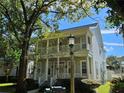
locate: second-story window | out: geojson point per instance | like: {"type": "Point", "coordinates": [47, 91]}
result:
{"type": "Point", "coordinates": [43, 46]}
{"type": "Point", "coordinates": [52, 46]}
{"type": "Point", "coordinates": [63, 44]}
{"type": "Point", "coordinates": [84, 41]}
{"type": "Point", "coordinates": [122, 69]}
{"type": "Point", "coordinates": [89, 40]}
{"type": "Point", "coordinates": [77, 40]}
{"type": "Point", "coordinates": [52, 42]}
{"type": "Point", "coordinates": [84, 67]}
{"type": "Point", "coordinates": [60, 46]}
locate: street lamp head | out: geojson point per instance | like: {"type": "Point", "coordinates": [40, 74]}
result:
{"type": "Point", "coordinates": [71, 39]}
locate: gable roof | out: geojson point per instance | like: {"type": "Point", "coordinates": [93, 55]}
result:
{"type": "Point", "coordinates": [66, 32]}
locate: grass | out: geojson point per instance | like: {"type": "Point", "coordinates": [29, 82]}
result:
{"type": "Point", "coordinates": [7, 84]}
{"type": "Point", "coordinates": [106, 88]}
{"type": "Point", "coordinates": [7, 87]}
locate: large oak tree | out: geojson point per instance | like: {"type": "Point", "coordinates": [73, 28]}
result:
{"type": "Point", "coordinates": [21, 18]}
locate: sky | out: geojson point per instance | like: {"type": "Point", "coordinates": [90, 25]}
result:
{"type": "Point", "coordinates": [113, 42]}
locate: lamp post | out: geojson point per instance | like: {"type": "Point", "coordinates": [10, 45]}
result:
{"type": "Point", "coordinates": [71, 39]}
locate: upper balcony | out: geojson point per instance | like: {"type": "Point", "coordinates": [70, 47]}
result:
{"type": "Point", "coordinates": [64, 50]}
{"type": "Point", "coordinates": [59, 46]}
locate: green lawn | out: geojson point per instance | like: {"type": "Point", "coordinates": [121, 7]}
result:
{"type": "Point", "coordinates": [7, 87]}
{"type": "Point", "coordinates": [7, 84]}
{"type": "Point", "coordinates": [106, 88]}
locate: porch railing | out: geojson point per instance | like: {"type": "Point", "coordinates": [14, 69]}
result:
{"type": "Point", "coordinates": [53, 79]}
{"type": "Point", "coordinates": [77, 47]}
{"type": "Point", "coordinates": [42, 79]}
{"type": "Point", "coordinates": [67, 75]}
{"type": "Point", "coordinates": [52, 50]}
{"type": "Point", "coordinates": [64, 48]}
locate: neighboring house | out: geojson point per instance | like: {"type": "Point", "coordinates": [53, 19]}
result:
{"type": "Point", "coordinates": [110, 73]}
{"type": "Point", "coordinates": [89, 55]}
{"type": "Point", "coordinates": [122, 69]}
{"type": "Point", "coordinates": [6, 67]}
{"type": "Point", "coordinates": [116, 69]}
{"type": "Point", "coordinates": [116, 72]}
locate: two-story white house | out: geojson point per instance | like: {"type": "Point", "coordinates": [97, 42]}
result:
{"type": "Point", "coordinates": [89, 55]}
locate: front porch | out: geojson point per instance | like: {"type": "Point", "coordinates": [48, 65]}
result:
{"type": "Point", "coordinates": [59, 68]}
{"type": "Point", "coordinates": [80, 87]}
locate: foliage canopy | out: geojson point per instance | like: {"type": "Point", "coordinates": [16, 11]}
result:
{"type": "Point", "coordinates": [20, 18]}
{"type": "Point", "coordinates": [115, 13]}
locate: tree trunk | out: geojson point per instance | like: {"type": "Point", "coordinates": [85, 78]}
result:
{"type": "Point", "coordinates": [21, 84]}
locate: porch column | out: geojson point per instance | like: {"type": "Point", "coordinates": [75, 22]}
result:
{"type": "Point", "coordinates": [58, 67]}
{"type": "Point", "coordinates": [92, 68]}
{"type": "Point", "coordinates": [81, 43]}
{"type": "Point", "coordinates": [88, 68]}
{"type": "Point", "coordinates": [58, 58]}
{"type": "Point", "coordinates": [36, 62]}
{"type": "Point", "coordinates": [58, 45]}
{"type": "Point", "coordinates": [47, 60]}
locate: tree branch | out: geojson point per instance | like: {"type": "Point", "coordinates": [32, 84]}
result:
{"type": "Point", "coordinates": [36, 3]}
{"type": "Point", "coordinates": [50, 3]}
{"type": "Point", "coordinates": [81, 3]}
{"type": "Point", "coordinates": [6, 13]}
{"type": "Point", "coordinates": [36, 28]}
{"type": "Point", "coordinates": [24, 10]}
{"type": "Point", "coordinates": [88, 14]}
{"type": "Point", "coordinates": [56, 12]}
{"type": "Point", "coordinates": [36, 12]}
{"type": "Point", "coordinates": [46, 23]}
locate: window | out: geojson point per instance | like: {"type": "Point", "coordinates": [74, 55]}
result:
{"type": "Point", "coordinates": [84, 45]}
{"type": "Point", "coordinates": [122, 69]}
{"type": "Point", "coordinates": [69, 67]}
{"type": "Point", "coordinates": [84, 41]}
{"type": "Point", "coordinates": [48, 71]}
{"type": "Point", "coordinates": [84, 67]}
{"type": "Point", "coordinates": [89, 40]}
{"type": "Point", "coordinates": [77, 40]}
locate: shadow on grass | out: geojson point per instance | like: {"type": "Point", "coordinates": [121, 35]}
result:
{"type": "Point", "coordinates": [7, 88]}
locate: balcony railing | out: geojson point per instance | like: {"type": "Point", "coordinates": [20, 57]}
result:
{"type": "Point", "coordinates": [77, 47]}
{"type": "Point", "coordinates": [64, 75]}
{"type": "Point", "coordinates": [43, 50]}
{"type": "Point", "coordinates": [42, 79]}
{"type": "Point", "coordinates": [52, 50]}
{"type": "Point", "coordinates": [63, 48]}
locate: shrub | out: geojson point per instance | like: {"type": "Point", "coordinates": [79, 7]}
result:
{"type": "Point", "coordinates": [92, 83]}
{"type": "Point", "coordinates": [118, 87]}
{"type": "Point", "coordinates": [11, 79]}
{"type": "Point", "coordinates": [31, 84]}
